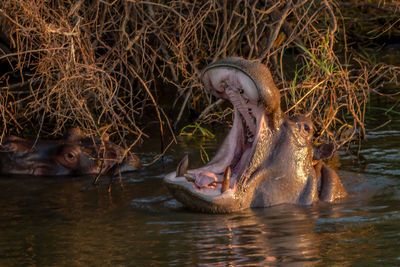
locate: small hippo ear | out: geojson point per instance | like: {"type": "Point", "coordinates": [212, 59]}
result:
{"type": "Point", "coordinates": [74, 134]}
{"type": "Point", "coordinates": [323, 151]}
{"type": "Point", "coordinates": [105, 137]}
{"type": "Point", "coordinates": [13, 138]}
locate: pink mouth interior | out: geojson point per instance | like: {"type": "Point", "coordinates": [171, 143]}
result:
{"type": "Point", "coordinates": [239, 145]}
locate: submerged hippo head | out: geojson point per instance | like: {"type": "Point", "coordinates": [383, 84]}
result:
{"type": "Point", "coordinates": [74, 154]}
{"type": "Point", "coordinates": [266, 159]}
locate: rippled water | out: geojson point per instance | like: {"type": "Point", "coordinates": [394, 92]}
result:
{"type": "Point", "coordinates": [48, 222]}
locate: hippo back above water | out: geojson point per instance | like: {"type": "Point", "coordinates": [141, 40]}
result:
{"type": "Point", "coordinates": [74, 154]}
{"type": "Point", "coordinates": [266, 159]}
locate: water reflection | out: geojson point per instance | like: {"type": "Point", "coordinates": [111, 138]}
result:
{"type": "Point", "coordinates": [268, 236]}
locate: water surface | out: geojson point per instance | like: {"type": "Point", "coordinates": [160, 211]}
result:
{"type": "Point", "coordinates": [65, 222]}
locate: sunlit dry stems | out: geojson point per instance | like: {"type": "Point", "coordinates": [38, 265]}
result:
{"type": "Point", "coordinates": [102, 63]}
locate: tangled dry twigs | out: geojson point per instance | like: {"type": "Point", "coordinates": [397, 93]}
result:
{"type": "Point", "coordinates": [104, 65]}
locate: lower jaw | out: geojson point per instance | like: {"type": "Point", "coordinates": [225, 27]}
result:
{"type": "Point", "coordinates": [184, 192]}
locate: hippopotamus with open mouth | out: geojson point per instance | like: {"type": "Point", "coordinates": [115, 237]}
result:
{"type": "Point", "coordinates": [266, 159]}
{"type": "Point", "coordinates": [74, 154]}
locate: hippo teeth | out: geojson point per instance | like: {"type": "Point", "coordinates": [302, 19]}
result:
{"type": "Point", "coordinates": [211, 185]}
{"type": "Point", "coordinates": [181, 170]}
{"type": "Point", "coordinates": [248, 119]}
{"type": "Point", "coordinates": [226, 179]}
{"type": "Point", "coordinates": [249, 133]}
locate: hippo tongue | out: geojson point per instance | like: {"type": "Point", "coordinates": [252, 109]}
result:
{"type": "Point", "coordinates": [204, 178]}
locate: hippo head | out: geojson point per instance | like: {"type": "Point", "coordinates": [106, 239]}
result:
{"type": "Point", "coordinates": [74, 154]}
{"type": "Point", "coordinates": [266, 159]}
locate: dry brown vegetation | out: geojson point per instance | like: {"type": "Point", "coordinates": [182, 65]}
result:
{"type": "Point", "coordinates": [109, 65]}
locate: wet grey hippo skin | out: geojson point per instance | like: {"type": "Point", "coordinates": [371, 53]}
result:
{"type": "Point", "coordinates": [74, 154]}
{"type": "Point", "coordinates": [266, 159]}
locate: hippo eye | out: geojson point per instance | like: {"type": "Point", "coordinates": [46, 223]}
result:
{"type": "Point", "coordinates": [307, 128]}
{"type": "Point", "coordinates": [70, 157]}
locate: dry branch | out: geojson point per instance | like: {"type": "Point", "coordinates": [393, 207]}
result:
{"type": "Point", "coordinates": [104, 65]}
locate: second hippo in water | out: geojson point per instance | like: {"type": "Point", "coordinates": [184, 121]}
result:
{"type": "Point", "coordinates": [74, 154]}
{"type": "Point", "coordinates": [266, 159]}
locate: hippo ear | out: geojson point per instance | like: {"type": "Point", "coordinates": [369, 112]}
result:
{"type": "Point", "coordinates": [13, 138]}
{"type": "Point", "coordinates": [74, 134]}
{"type": "Point", "coordinates": [105, 137]}
{"type": "Point", "coordinates": [323, 151]}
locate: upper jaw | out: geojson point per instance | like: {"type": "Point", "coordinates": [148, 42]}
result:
{"type": "Point", "coordinates": [218, 78]}
{"type": "Point", "coordinates": [205, 188]}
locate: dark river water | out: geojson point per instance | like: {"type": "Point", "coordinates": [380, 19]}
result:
{"type": "Point", "coordinates": [65, 222]}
